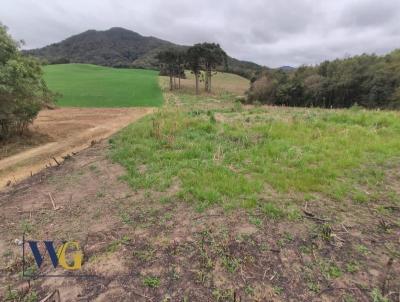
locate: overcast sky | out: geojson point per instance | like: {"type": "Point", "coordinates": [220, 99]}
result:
{"type": "Point", "coordinates": [269, 32]}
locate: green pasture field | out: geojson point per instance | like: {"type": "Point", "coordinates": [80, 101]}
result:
{"type": "Point", "coordinates": [84, 85]}
{"type": "Point", "coordinates": [236, 156]}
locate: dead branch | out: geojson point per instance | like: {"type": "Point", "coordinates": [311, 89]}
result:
{"type": "Point", "coordinates": [54, 296]}
{"type": "Point", "coordinates": [385, 276]}
{"type": "Point", "coordinates": [392, 208]}
{"type": "Point", "coordinates": [55, 208]}
{"type": "Point", "coordinates": [58, 164]}
{"type": "Point", "coordinates": [141, 295]}
{"type": "Point", "coordinates": [312, 216]}
{"type": "Point", "coordinates": [202, 216]}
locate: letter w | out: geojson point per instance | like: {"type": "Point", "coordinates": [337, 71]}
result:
{"type": "Point", "coordinates": [38, 257]}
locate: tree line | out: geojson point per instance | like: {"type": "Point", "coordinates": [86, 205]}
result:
{"type": "Point", "coordinates": [201, 59]}
{"type": "Point", "coordinates": [23, 91]}
{"type": "Point", "coordinates": [370, 81]}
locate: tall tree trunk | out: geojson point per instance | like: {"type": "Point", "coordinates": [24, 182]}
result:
{"type": "Point", "coordinates": [171, 87]}
{"type": "Point", "coordinates": [209, 81]}
{"type": "Point", "coordinates": [206, 81]}
{"type": "Point", "coordinates": [179, 79]}
{"type": "Point", "coordinates": [197, 82]}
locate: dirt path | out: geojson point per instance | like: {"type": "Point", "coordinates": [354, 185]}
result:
{"type": "Point", "coordinates": [70, 130]}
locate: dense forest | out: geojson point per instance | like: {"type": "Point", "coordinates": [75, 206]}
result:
{"type": "Point", "coordinates": [370, 81]}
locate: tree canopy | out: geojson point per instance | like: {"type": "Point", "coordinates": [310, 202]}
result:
{"type": "Point", "coordinates": [367, 80]}
{"type": "Point", "coordinates": [197, 58]}
{"type": "Point", "coordinates": [23, 91]}
{"type": "Point", "coordinates": [212, 56]}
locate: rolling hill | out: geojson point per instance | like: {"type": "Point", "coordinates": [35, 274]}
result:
{"type": "Point", "coordinates": [119, 47]}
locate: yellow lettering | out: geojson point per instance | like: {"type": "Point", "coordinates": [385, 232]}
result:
{"type": "Point", "coordinates": [77, 256]}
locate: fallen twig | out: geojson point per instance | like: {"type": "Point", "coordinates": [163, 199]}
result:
{"type": "Point", "coordinates": [310, 215]}
{"type": "Point", "coordinates": [386, 274]}
{"type": "Point", "coordinates": [344, 228]}
{"type": "Point", "coordinates": [331, 288]}
{"type": "Point", "coordinates": [272, 278]}
{"type": "Point", "coordinates": [393, 208]}
{"type": "Point", "coordinates": [58, 164]}
{"type": "Point", "coordinates": [54, 296]}
{"type": "Point", "coordinates": [55, 208]}
{"type": "Point", "coordinates": [202, 216]}
{"type": "Point", "coordinates": [265, 273]}
{"type": "Point", "coordinates": [140, 295]}
{"type": "Point", "coordinates": [242, 275]}
{"type": "Point", "coordinates": [89, 163]}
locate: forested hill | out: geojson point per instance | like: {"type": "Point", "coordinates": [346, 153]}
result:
{"type": "Point", "coordinates": [119, 47]}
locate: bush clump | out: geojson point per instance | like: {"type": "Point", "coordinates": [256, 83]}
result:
{"type": "Point", "coordinates": [23, 91]}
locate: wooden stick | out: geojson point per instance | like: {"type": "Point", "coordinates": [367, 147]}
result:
{"type": "Point", "coordinates": [53, 202]}
{"type": "Point", "coordinates": [58, 164]}
{"type": "Point", "coordinates": [312, 216]}
{"type": "Point", "coordinates": [54, 296]}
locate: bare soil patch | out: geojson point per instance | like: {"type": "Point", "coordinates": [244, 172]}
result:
{"type": "Point", "coordinates": [57, 133]}
{"type": "Point", "coordinates": [141, 249]}
{"type": "Point", "coordinates": [22, 143]}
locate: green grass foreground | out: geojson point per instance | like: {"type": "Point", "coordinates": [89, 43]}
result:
{"type": "Point", "coordinates": [235, 157]}
{"type": "Point", "coordinates": [84, 85]}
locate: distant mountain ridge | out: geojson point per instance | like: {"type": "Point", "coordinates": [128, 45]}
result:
{"type": "Point", "coordinates": [119, 47]}
{"type": "Point", "coordinates": [286, 68]}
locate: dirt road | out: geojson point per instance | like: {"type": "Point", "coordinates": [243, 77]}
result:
{"type": "Point", "coordinates": [70, 130]}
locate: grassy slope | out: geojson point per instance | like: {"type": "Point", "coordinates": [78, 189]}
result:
{"type": "Point", "coordinates": [221, 83]}
{"type": "Point", "coordinates": [222, 153]}
{"type": "Point", "coordinates": [85, 85]}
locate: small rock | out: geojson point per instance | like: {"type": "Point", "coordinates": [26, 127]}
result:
{"type": "Point", "coordinates": [18, 242]}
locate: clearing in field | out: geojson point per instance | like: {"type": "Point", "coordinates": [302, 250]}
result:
{"type": "Point", "coordinates": [210, 200]}
{"type": "Point", "coordinates": [84, 85]}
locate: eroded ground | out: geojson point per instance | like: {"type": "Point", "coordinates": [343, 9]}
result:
{"type": "Point", "coordinates": [57, 133]}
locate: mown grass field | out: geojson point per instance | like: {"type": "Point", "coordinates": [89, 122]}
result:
{"type": "Point", "coordinates": [84, 85]}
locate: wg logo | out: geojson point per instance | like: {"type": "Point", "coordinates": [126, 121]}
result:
{"type": "Point", "coordinates": [67, 255]}
{"type": "Point", "coordinates": [59, 257]}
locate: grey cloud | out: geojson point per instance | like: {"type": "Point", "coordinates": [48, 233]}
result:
{"type": "Point", "coordinates": [370, 13]}
{"type": "Point", "coordinates": [269, 32]}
